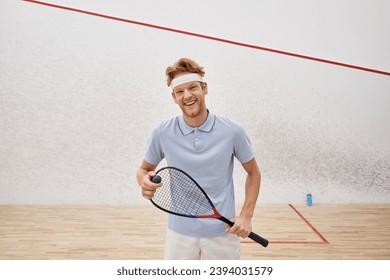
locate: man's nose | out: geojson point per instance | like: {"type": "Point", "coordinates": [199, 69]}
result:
{"type": "Point", "coordinates": [187, 93]}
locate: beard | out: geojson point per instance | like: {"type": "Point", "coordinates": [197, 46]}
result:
{"type": "Point", "coordinates": [194, 110]}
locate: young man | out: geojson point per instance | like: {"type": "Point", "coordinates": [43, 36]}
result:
{"type": "Point", "coordinates": [203, 145]}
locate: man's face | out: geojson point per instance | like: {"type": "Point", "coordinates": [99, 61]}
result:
{"type": "Point", "coordinates": [191, 98]}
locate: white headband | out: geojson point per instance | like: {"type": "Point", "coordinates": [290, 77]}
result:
{"type": "Point", "coordinates": [194, 77]}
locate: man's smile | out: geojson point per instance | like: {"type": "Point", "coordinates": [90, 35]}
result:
{"type": "Point", "coordinates": [189, 103]}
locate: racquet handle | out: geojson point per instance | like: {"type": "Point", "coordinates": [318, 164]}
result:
{"type": "Point", "coordinates": [156, 179]}
{"type": "Point", "coordinates": [255, 237]}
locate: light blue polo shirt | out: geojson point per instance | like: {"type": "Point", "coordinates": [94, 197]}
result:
{"type": "Point", "coordinates": [207, 154]}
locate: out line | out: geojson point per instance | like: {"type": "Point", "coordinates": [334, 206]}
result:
{"type": "Point", "coordinates": [322, 242]}
{"type": "Point", "coordinates": [309, 224]}
{"type": "Point", "coordinates": [213, 38]}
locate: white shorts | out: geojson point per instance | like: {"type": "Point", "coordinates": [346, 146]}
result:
{"type": "Point", "coordinates": [183, 247]}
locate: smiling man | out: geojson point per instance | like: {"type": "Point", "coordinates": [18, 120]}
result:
{"type": "Point", "coordinates": [203, 145]}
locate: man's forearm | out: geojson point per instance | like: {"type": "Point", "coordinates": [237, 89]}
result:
{"type": "Point", "coordinates": [140, 175]}
{"type": "Point", "coordinates": [252, 190]}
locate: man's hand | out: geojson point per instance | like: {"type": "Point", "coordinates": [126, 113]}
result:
{"type": "Point", "coordinates": [148, 187]}
{"type": "Point", "coordinates": [242, 226]}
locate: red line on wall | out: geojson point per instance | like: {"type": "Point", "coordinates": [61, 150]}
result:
{"type": "Point", "coordinates": [213, 38]}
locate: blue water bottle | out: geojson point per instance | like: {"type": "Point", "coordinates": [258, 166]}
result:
{"type": "Point", "coordinates": [309, 201]}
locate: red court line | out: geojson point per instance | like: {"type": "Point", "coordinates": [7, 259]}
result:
{"type": "Point", "coordinates": [213, 38]}
{"type": "Point", "coordinates": [310, 225]}
{"type": "Point", "coordinates": [297, 242]}
{"type": "Point", "coordinates": [324, 241]}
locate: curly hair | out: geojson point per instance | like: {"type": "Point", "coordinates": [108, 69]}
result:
{"type": "Point", "coordinates": [183, 65]}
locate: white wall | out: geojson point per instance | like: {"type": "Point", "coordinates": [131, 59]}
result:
{"type": "Point", "coordinates": [80, 94]}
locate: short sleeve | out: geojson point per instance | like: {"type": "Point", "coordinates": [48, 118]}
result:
{"type": "Point", "coordinates": [154, 153]}
{"type": "Point", "coordinates": [243, 150]}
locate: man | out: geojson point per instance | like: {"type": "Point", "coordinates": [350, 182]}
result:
{"type": "Point", "coordinates": [203, 145]}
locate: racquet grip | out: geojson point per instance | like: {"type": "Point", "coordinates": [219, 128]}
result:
{"type": "Point", "coordinates": [156, 179]}
{"type": "Point", "coordinates": [255, 237]}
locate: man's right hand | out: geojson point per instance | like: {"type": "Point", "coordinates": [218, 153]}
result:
{"type": "Point", "coordinates": [148, 187]}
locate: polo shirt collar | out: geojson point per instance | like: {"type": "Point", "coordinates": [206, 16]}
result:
{"type": "Point", "coordinates": [206, 126]}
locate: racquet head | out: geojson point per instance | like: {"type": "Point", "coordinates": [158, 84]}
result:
{"type": "Point", "coordinates": [181, 195]}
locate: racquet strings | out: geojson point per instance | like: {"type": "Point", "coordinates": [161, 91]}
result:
{"type": "Point", "coordinates": [181, 195]}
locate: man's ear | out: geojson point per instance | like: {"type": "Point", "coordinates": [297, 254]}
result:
{"type": "Point", "coordinates": [204, 87]}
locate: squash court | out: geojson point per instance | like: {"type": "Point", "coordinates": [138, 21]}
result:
{"type": "Point", "coordinates": [82, 85]}
{"type": "Point", "coordinates": [321, 232]}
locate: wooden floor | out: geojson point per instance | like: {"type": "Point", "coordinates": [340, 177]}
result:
{"type": "Point", "coordinates": [137, 232]}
